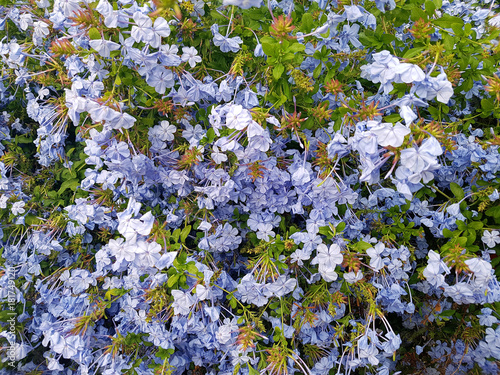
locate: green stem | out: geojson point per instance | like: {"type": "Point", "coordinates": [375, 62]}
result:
{"type": "Point", "coordinates": [116, 75]}
{"type": "Point", "coordinates": [439, 191]}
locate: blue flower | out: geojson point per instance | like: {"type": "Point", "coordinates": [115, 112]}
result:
{"type": "Point", "coordinates": [237, 117]}
{"type": "Point", "coordinates": [491, 238]}
{"type": "Point", "coordinates": [141, 31]}
{"type": "Point", "coordinates": [190, 55]}
{"type": "Point", "coordinates": [251, 291]}
{"type": "Point", "coordinates": [384, 5]}
{"type": "Point", "coordinates": [243, 4]}
{"type": "Point", "coordinates": [227, 44]}
{"type": "Point", "coordinates": [435, 268]}
{"type": "Point", "coordinates": [281, 287]}
{"type": "Point", "coordinates": [104, 47]}
{"type": "Point", "coordinates": [18, 208]}
{"type": "Point", "coordinates": [183, 301]}
{"type": "Point", "coordinates": [388, 135]}
{"type": "Point", "coordinates": [376, 261]}
{"type": "Point", "coordinates": [409, 73]}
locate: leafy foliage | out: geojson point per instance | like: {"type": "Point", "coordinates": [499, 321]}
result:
{"type": "Point", "coordinates": [245, 188]}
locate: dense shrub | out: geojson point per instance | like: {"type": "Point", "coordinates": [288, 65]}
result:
{"type": "Point", "coordinates": [242, 188]}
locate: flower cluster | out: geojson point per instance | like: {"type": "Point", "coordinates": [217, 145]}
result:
{"type": "Point", "coordinates": [245, 187]}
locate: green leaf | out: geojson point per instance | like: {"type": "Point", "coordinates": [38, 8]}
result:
{"type": "Point", "coordinates": [269, 49]}
{"type": "Point", "coordinates": [362, 245]}
{"type": "Point", "coordinates": [185, 233]}
{"type": "Point", "coordinates": [461, 225]}
{"type": "Point", "coordinates": [447, 233]}
{"type": "Point", "coordinates": [457, 191]}
{"type": "Point", "coordinates": [325, 231]}
{"type": "Point", "coordinates": [285, 88]}
{"type": "Point", "coordinates": [430, 8]}
{"type": "Point", "coordinates": [487, 105]}
{"type": "Point", "coordinates": [307, 23]}
{"type": "Point", "coordinates": [387, 38]}
{"type": "Point", "coordinates": [412, 52]}
{"type": "Point", "coordinates": [495, 262]}
{"type": "Point", "coordinates": [476, 225]}
{"type": "Point", "coordinates": [52, 194]}
{"type": "Point", "coordinates": [115, 292]}
{"type": "Point", "coordinates": [467, 29]}
{"type": "Point", "coordinates": [447, 21]}
{"type": "Point", "coordinates": [173, 279]}
{"type": "Point", "coordinates": [471, 235]}
{"type": "Point", "coordinates": [317, 71]}
{"type": "Point", "coordinates": [191, 268]}
{"type": "Point", "coordinates": [94, 34]}
{"type": "Point", "coordinates": [31, 219]}
{"type": "Point", "coordinates": [23, 139]}
{"type": "Point", "coordinates": [296, 47]}
{"type": "Point", "coordinates": [252, 371]}
{"type": "Point", "coordinates": [175, 235]}
{"type": "Point", "coordinates": [392, 118]}
{"type": "Point", "coordinates": [458, 29]}
{"type": "Point", "coordinates": [217, 15]}
{"type": "Point", "coordinates": [5, 315]}
{"type": "Point", "coordinates": [434, 112]}
{"type": "Point", "coordinates": [493, 211]}
{"type": "Point", "coordinates": [281, 101]}
{"type": "Point", "coordinates": [288, 57]}
{"type": "Point", "coordinates": [340, 227]}
{"type": "Point", "coordinates": [418, 13]}
{"type": "Point", "coordinates": [68, 174]}
{"type": "Point", "coordinates": [210, 135]}
{"type": "Point", "coordinates": [448, 41]}
{"type": "Point", "coordinates": [447, 313]}
{"type": "Point", "coordinates": [278, 71]}
{"type": "Point", "coordinates": [164, 353]}
{"type": "Point", "coordinates": [232, 302]}
{"type": "Point", "coordinates": [69, 184]}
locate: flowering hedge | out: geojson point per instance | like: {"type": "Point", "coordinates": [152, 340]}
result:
{"type": "Point", "coordinates": [242, 187]}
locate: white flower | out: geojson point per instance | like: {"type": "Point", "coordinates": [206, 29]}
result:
{"type": "Point", "coordinates": [166, 131]}
{"type": "Point", "coordinates": [328, 257]}
{"type": "Point", "coordinates": [41, 29]}
{"type": "Point", "coordinates": [352, 277]}
{"type": "Point", "coordinates": [17, 208]}
{"type": "Point", "coordinates": [491, 238]}
{"type": "Point", "coordinates": [238, 118]}
{"type": "Point", "coordinates": [25, 20]}
{"type": "Point", "coordinates": [182, 302]}
{"type": "Point", "coordinates": [190, 54]}
{"type": "Point", "coordinates": [481, 268]}
{"type": "Point", "coordinates": [243, 4]}
{"type": "Point", "coordinates": [495, 21]}
{"type": "Point", "coordinates": [3, 201]}
{"type": "Point", "coordinates": [104, 47]}
{"type": "Point", "coordinates": [217, 156]}
{"type": "Point", "coordinates": [388, 135]}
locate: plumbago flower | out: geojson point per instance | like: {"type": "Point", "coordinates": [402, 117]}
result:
{"type": "Point", "coordinates": [242, 187]}
{"type": "Point", "coordinates": [328, 259]}
{"type": "Point", "coordinates": [389, 135]}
